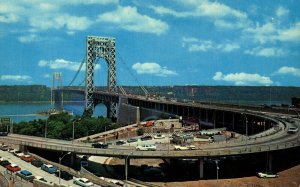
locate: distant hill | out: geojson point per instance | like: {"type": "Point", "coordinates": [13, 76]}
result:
{"type": "Point", "coordinates": [233, 94]}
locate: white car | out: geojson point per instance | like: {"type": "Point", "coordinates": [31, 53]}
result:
{"type": "Point", "coordinates": [292, 130]}
{"type": "Point", "coordinates": [146, 148]}
{"type": "Point", "coordinates": [159, 136]}
{"type": "Point", "coordinates": [180, 148]}
{"type": "Point", "coordinates": [83, 182]}
{"type": "Point", "coordinates": [267, 175]}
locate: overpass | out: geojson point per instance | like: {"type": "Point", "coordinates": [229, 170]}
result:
{"type": "Point", "coordinates": [278, 140]}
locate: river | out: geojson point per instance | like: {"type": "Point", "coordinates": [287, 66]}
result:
{"type": "Point", "coordinates": [27, 111]}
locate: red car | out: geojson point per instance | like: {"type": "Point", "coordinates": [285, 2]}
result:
{"type": "Point", "coordinates": [27, 158]}
{"type": "Point", "coordinates": [13, 167]}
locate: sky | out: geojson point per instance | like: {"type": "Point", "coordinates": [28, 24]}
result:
{"type": "Point", "coordinates": [171, 42]}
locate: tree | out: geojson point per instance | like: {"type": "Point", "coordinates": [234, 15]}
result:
{"type": "Point", "coordinates": [140, 132]}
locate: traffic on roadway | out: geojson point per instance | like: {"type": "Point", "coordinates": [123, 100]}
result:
{"type": "Point", "coordinates": [24, 172]}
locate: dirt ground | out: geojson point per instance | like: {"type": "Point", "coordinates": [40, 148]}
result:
{"type": "Point", "coordinates": [287, 178]}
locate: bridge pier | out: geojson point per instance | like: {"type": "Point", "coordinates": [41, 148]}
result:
{"type": "Point", "coordinates": [269, 161]}
{"type": "Point", "coordinates": [127, 166]}
{"type": "Point", "coordinates": [201, 167]}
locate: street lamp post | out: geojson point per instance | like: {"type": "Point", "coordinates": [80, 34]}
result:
{"type": "Point", "coordinates": [217, 167]}
{"type": "Point", "coordinates": [60, 158]}
{"type": "Point", "coordinates": [73, 132]}
{"type": "Point", "coordinates": [46, 126]}
{"type": "Point", "coordinates": [126, 169]}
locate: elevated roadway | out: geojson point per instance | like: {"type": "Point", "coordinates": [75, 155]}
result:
{"type": "Point", "coordinates": [275, 141]}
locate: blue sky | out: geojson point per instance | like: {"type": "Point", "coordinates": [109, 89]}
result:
{"type": "Point", "coordinates": [172, 42]}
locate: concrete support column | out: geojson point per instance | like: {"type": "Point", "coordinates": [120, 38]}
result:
{"type": "Point", "coordinates": [127, 166]}
{"type": "Point", "coordinates": [138, 115]}
{"type": "Point", "coordinates": [269, 161]}
{"type": "Point", "coordinates": [72, 159]}
{"type": "Point", "coordinates": [223, 118]}
{"type": "Point", "coordinates": [233, 121]}
{"type": "Point", "coordinates": [214, 116]}
{"type": "Point", "coordinates": [201, 167]}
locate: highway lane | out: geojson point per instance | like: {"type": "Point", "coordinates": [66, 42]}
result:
{"type": "Point", "coordinates": [34, 170]}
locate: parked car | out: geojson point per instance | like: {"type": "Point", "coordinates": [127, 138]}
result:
{"type": "Point", "coordinates": [13, 167]}
{"type": "Point", "coordinates": [4, 162]}
{"type": "Point", "coordinates": [37, 163]}
{"type": "Point", "coordinates": [16, 152]}
{"type": "Point", "coordinates": [100, 145]}
{"type": "Point", "coordinates": [64, 175]}
{"type": "Point", "coordinates": [144, 138]}
{"type": "Point", "coordinates": [188, 136]}
{"type": "Point", "coordinates": [146, 148]}
{"type": "Point", "coordinates": [27, 158]}
{"type": "Point", "coordinates": [131, 140]}
{"type": "Point", "coordinates": [159, 136]}
{"type": "Point", "coordinates": [49, 168]}
{"type": "Point", "coordinates": [120, 142]}
{"type": "Point", "coordinates": [292, 130]}
{"type": "Point", "coordinates": [267, 175]}
{"type": "Point", "coordinates": [83, 182]}
{"type": "Point", "coordinates": [4, 147]}
{"type": "Point", "coordinates": [26, 175]}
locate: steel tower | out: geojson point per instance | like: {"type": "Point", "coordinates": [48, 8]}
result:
{"type": "Point", "coordinates": [100, 47]}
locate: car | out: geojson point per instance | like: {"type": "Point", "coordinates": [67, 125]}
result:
{"type": "Point", "coordinates": [180, 148]}
{"type": "Point", "coordinates": [131, 140]}
{"type": "Point", "coordinates": [144, 138]}
{"type": "Point", "coordinates": [4, 147]}
{"type": "Point", "coordinates": [120, 142]}
{"type": "Point", "coordinates": [16, 152]}
{"type": "Point", "coordinates": [191, 147]}
{"type": "Point", "coordinates": [83, 182]}
{"type": "Point", "coordinates": [13, 167]}
{"type": "Point", "coordinates": [64, 175]}
{"type": "Point", "coordinates": [292, 130]}
{"type": "Point", "coordinates": [267, 175]}
{"type": "Point", "coordinates": [26, 175]}
{"type": "Point", "coordinates": [37, 163]}
{"type": "Point", "coordinates": [4, 162]}
{"type": "Point", "coordinates": [159, 136]}
{"type": "Point", "coordinates": [146, 148]}
{"type": "Point", "coordinates": [100, 145]}
{"type": "Point", "coordinates": [27, 158]}
{"type": "Point", "coordinates": [49, 168]}
{"type": "Point", "coordinates": [188, 136]}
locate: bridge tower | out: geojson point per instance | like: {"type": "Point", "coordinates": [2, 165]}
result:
{"type": "Point", "coordinates": [56, 76]}
{"type": "Point", "coordinates": [100, 47]}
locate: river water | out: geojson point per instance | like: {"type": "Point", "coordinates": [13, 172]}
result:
{"type": "Point", "coordinates": [27, 111]}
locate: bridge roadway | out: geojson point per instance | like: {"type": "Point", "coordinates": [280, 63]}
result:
{"type": "Point", "coordinates": [276, 141]}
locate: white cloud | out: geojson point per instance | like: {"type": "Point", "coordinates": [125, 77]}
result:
{"type": "Point", "coordinates": [46, 75]}
{"type": "Point", "coordinates": [291, 34]}
{"type": "Point", "coordinates": [216, 12]}
{"type": "Point", "coordinates": [15, 77]}
{"type": "Point", "coordinates": [281, 11]}
{"type": "Point", "coordinates": [128, 18]}
{"type": "Point", "coordinates": [243, 78]}
{"type": "Point", "coordinates": [152, 68]}
{"type": "Point", "coordinates": [266, 52]}
{"type": "Point", "coordinates": [195, 44]}
{"type": "Point", "coordinates": [289, 70]}
{"type": "Point", "coordinates": [59, 21]}
{"type": "Point", "coordinates": [271, 32]}
{"type": "Point", "coordinates": [29, 38]}
{"type": "Point", "coordinates": [63, 64]}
